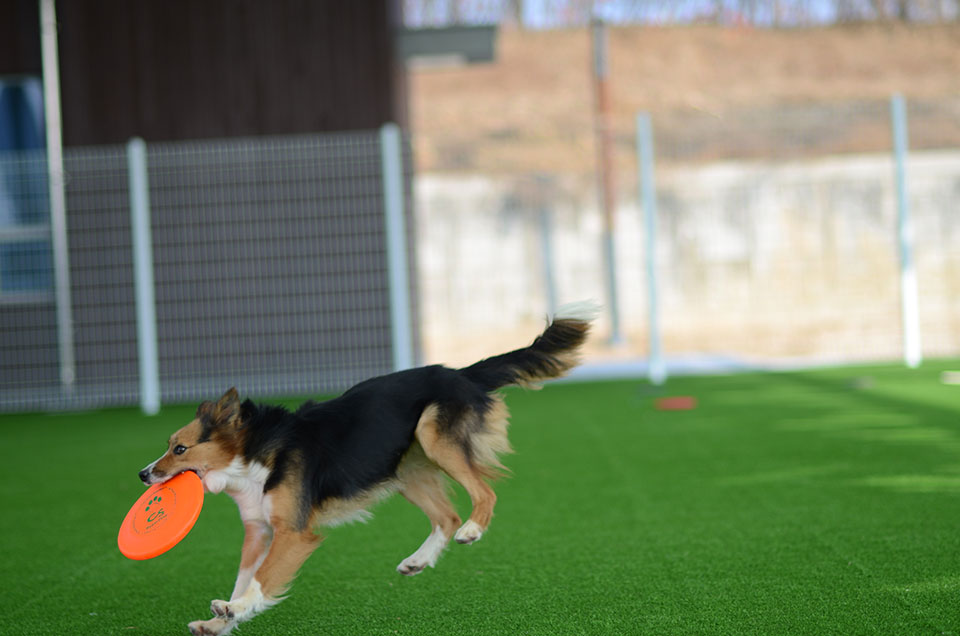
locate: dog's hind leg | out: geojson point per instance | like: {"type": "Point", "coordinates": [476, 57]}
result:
{"type": "Point", "coordinates": [426, 487]}
{"type": "Point", "coordinates": [452, 457]}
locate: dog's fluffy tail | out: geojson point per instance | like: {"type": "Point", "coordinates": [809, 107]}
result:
{"type": "Point", "coordinates": [551, 355]}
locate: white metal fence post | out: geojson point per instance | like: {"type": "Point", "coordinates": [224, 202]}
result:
{"type": "Point", "coordinates": [909, 301]}
{"type": "Point", "coordinates": [149, 364]}
{"type": "Point", "coordinates": [391, 154]}
{"type": "Point", "coordinates": [648, 199]}
{"type": "Point", "coordinates": [58, 197]}
{"type": "Point", "coordinates": [546, 257]}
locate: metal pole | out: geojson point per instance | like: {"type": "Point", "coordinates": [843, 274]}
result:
{"type": "Point", "coordinates": [546, 254]}
{"type": "Point", "coordinates": [58, 197]}
{"type": "Point", "coordinates": [397, 261]}
{"type": "Point", "coordinates": [143, 277]}
{"type": "Point", "coordinates": [909, 301]}
{"type": "Point", "coordinates": [648, 198]}
{"type": "Point", "coordinates": [605, 171]}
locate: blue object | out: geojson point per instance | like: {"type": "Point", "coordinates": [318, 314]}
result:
{"type": "Point", "coordinates": [25, 263]}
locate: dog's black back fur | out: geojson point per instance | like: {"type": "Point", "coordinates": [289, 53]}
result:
{"type": "Point", "coordinates": [351, 443]}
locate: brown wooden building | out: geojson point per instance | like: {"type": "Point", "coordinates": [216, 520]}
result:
{"type": "Point", "coordinates": [186, 69]}
{"type": "Point", "coordinates": [266, 185]}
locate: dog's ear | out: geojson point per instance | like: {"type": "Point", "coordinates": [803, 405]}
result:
{"type": "Point", "coordinates": [205, 411]}
{"type": "Point", "coordinates": [228, 407]}
{"type": "Point", "coordinates": [247, 411]}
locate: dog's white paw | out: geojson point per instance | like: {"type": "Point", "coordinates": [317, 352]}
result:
{"type": "Point", "coordinates": [468, 532]}
{"type": "Point", "coordinates": [212, 627]}
{"type": "Point", "coordinates": [409, 568]}
{"type": "Point", "coordinates": [426, 554]}
{"type": "Point", "coordinates": [416, 563]}
{"type": "Point", "coordinates": [221, 609]}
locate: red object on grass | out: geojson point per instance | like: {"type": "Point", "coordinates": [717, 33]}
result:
{"type": "Point", "coordinates": [676, 403]}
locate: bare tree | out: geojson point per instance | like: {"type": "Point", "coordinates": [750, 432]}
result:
{"type": "Point", "coordinates": [880, 9]}
{"type": "Point", "coordinates": [903, 10]}
{"type": "Point", "coordinates": [717, 11]}
{"type": "Point", "coordinates": [567, 13]}
{"type": "Point", "coordinates": [514, 12]}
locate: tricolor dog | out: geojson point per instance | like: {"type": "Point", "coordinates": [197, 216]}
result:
{"type": "Point", "coordinates": [295, 472]}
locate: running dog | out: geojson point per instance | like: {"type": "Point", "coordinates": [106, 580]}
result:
{"type": "Point", "coordinates": [292, 473]}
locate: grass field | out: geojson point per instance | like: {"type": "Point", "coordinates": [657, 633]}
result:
{"type": "Point", "coordinates": [820, 502]}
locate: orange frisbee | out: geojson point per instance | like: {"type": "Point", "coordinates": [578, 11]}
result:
{"type": "Point", "coordinates": [162, 517]}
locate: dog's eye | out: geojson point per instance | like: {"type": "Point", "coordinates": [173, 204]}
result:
{"type": "Point", "coordinates": [180, 449]}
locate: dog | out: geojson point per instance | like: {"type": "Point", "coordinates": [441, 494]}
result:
{"type": "Point", "coordinates": [292, 473]}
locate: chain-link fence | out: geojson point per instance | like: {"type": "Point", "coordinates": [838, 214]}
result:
{"type": "Point", "coordinates": [268, 264]}
{"type": "Point", "coordinates": [775, 246]}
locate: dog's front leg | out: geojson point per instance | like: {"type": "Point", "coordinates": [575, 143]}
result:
{"type": "Point", "coordinates": [257, 535]}
{"type": "Point", "coordinates": [256, 541]}
{"type": "Point", "coordinates": [288, 550]}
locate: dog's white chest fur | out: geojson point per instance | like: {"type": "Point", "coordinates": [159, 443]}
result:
{"type": "Point", "coordinates": [244, 482]}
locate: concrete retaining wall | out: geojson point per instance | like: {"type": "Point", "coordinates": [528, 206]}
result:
{"type": "Point", "coordinates": [758, 260]}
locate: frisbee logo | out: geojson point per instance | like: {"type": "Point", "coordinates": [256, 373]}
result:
{"type": "Point", "coordinates": [153, 501]}
{"type": "Point", "coordinates": [158, 513]}
{"type": "Point", "coordinates": [152, 515]}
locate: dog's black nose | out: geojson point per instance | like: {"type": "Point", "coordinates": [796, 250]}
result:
{"type": "Point", "coordinates": [144, 475]}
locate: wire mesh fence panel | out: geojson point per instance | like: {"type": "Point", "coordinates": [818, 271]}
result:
{"type": "Point", "coordinates": [933, 172]}
{"type": "Point", "coordinates": [495, 253]}
{"type": "Point", "coordinates": [268, 265]}
{"type": "Point", "coordinates": [935, 203]}
{"type": "Point", "coordinates": [779, 262]}
{"type": "Point", "coordinates": [99, 250]}
{"type": "Point", "coordinates": [101, 278]}
{"type": "Point", "coordinates": [28, 337]}
{"type": "Point", "coordinates": [779, 242]}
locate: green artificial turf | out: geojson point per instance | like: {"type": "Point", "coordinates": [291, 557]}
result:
{"type": "Point", "coordinates": [798, 503]}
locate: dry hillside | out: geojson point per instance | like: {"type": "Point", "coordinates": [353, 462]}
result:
{"type": "Point", "coordinates": [713, 92]}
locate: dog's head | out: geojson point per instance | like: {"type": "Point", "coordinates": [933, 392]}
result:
{"type": "Point", "coordinates": [209, 442]}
